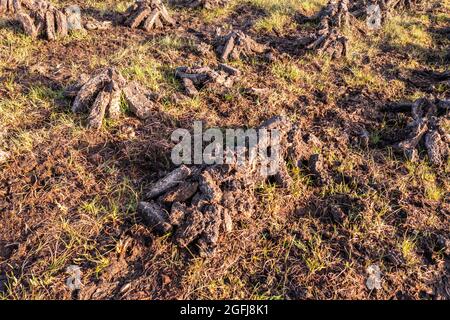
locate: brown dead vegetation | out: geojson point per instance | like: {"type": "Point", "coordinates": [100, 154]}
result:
{"type": "Point", "coordinates": [41, 18]}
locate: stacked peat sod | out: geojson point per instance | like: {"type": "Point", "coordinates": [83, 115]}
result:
{"type": "Point", "coordinates": [195, 78]}
{"type": "Point", "coordinates": [426, 129]}
{"type": "Point", "coordinates": [236, 45]}
{"type": "Point", "coordinates": [206, 4]}
{"type": "Point", "coordinates": [428, 80]}
{"type": "Point", "coordinates": [97, 25]}
{"type": "Point", "coordinates": [101, 93]}
{"type": "Point", "coordinates": [200, 203]}
{"type": "Point", "coordinates": [147, 15]}
{"type": "Point", "coordinates": [359, 7]}
{"type": "Point", "coordinates": [42, 19]}
{"type": "Point", "coordinates": [328, 38]}
{"type": "Point", "coordinates": [12, 6]}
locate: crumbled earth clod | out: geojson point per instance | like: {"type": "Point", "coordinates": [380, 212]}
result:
{"type": "Point", "coordinates": [148, 15]}
{"type": "Point", "coordinates": [207, 4]}
{"type": "Point", "coordinates": [100, 96]}
{"type": "Point", "coordinates": [194, 78]}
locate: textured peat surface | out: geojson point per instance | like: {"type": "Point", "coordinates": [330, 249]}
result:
{"type": "Point", "coordinates": [351, 200]}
